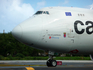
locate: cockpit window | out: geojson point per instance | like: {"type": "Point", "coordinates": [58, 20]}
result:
{"type": "Point", "coordinates": [44, 12]}
{"type": "Point", "coordinates": [47, 12]}
{"type": "Point", "coordinates": [41, 12]}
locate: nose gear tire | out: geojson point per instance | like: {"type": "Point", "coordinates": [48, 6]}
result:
{"type": "Point", "coordinates": [51, 63]}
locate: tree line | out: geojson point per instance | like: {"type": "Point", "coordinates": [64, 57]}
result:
{"type": "Point", "coordinates": [9, 46]}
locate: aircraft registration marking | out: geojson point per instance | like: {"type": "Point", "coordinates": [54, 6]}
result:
{"type": "Point", "coordinates": [81, 14]}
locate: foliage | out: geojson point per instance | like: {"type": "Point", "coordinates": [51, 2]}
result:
{"type": "Point", "coordinates": [44, 58]}
{"type": "Point", "coordinates": [9, 46]}
{"type": "Point", "coordinates": [72, 58]}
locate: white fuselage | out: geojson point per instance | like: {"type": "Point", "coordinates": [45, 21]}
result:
{"type": "Point", "coordinates": [63, 29]}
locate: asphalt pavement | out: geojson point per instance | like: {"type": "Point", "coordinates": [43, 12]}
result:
{"type": "Point", "coordinates": [41, 65]}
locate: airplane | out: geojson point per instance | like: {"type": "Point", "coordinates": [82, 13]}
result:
{"type": "Point", "coordinates": [58, 29]}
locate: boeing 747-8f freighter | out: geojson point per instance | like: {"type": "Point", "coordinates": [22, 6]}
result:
{"type": "Point", "coordinates": [58, 29]}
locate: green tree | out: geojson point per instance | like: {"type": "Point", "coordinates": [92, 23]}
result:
{"type": "Point", "coordinates": [9, 46]}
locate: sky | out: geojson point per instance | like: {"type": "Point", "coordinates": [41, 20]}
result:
{"type": "Point", "coordinates": [13, 12]}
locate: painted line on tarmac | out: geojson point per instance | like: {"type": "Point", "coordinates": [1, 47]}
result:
{"type": "Point", "coordinates": [29, 68]}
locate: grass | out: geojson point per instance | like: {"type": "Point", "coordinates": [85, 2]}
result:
{"type": "Point", "coordinates": [72, 58]}
{"type": "Point", "coordinates": [44, 58]}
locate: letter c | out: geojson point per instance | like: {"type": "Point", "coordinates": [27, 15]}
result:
{"type": "Point", "coordinates": [76, 28]}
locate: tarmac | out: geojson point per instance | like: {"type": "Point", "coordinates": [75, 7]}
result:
{"type": "Point", "coordinates": [41, 65]}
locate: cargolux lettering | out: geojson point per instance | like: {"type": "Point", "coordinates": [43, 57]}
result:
{"type": "Point", "coordinates": [82, 24]}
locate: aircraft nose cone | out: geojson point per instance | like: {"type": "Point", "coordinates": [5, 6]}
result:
{"type": "Point", "coordinates": [17, 32]}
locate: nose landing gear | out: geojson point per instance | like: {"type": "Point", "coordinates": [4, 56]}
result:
{"type": "Point", "coordinates": [51, 62]}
